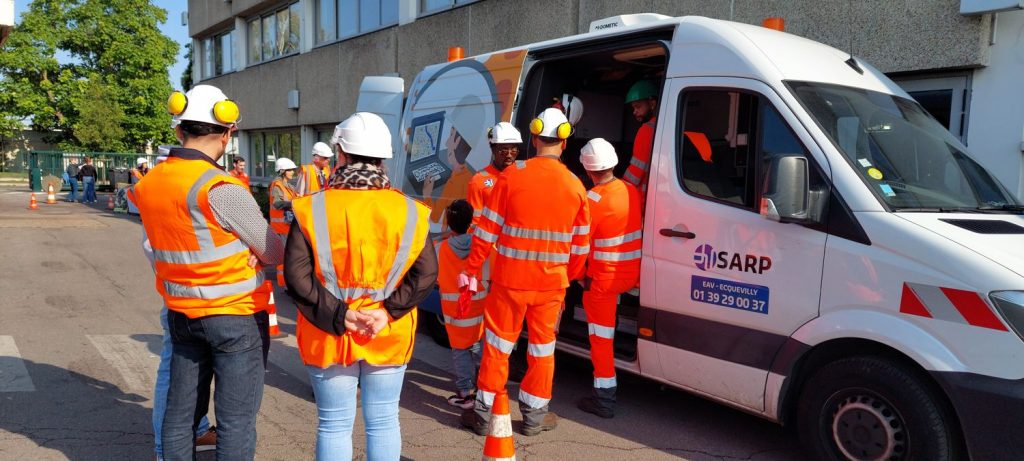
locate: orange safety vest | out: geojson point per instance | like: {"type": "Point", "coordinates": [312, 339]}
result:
{"type": "Point", "coordinates": [201, 268]}
{"type": "Point", "coordinates": [640, 163]}
{"type": "Point", "coordinates": [242, 177]}
{"type": "Point", "coordinates": [466, 330]}
{"type": "Point", "coordinates": [277, 221]}
{"type": "Point", "coordinates": [480, 188]}
{"type": "Point", "coordinates": [310, 182]}
{"type": "Point", "coordinates": [138, 174]}
{"type": "Point", "coordinates": [615, 231]}
{"type": "Point", "coordinates": [538, 222]}
{"type": "Point", "coordinates": [361, 265]}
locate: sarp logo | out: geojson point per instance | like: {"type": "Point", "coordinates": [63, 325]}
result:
{"type": "Point", "coordinates": [704, 257]}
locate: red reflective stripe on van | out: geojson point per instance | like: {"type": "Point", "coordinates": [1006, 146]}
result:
{"type": "Point", "coordinates": [911, 304]}
{"type": "Point", "coordinates": [973, 308]}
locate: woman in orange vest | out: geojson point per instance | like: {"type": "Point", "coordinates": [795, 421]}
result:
{"type": "Point", "coordinates": [357, 262]}
{"type": "Point", "coordinates": [281, 196]}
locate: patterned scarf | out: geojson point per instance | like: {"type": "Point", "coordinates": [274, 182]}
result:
{"type": "Point", "coordinates": [360, 176]}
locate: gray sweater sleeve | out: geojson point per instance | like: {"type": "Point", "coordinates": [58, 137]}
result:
{"type": "Point", "coordinates": [237, 212]}
{"type": "Point", "coordinates": [280, 203]}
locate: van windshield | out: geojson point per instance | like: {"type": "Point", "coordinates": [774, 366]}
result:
{"type": "Point", "coordinates": [907, 158]}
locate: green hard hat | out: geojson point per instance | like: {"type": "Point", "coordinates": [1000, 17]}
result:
{"type": "Point", "coordinates": [640, 90]}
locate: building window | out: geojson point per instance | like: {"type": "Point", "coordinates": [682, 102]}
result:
{"type": "Point", "coordinates": [216, 54]}
{"type": "Point", "coordinates": [268, 146]}
{"type": "Point", "coordinates": [434, 6]}
{"type": "Point", "coordinates": [338, 19]}
{"type": "Point", "coordinates": [275, 34]}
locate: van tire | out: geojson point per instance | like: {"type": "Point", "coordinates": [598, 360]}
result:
{"type": "Point", "coordinates": [434, 323]}
{"type": "Point", "coordinates": [889, 412]}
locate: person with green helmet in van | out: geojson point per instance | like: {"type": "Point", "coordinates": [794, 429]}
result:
{"type": "Point", "coordinates": [642, 99]}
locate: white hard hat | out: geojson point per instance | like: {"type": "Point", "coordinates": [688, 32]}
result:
{"type": "Point", "coordinates": [323, 150]}
{"type": "Point", "coordinates": [504, 133]}
{"type": "Point", "coordinates": [598, 155]}
{"type": "Point", "coordinates": [284, 163]}
{"type": "Point", "coordinates": [573, 107]}
{"type": "Point", "coordinates": [203, 103]}
{"type": "Point", "coordinates": [141, 160]}
{"type": "Point", "coordinates": [551, 124]}
{"type": "Point", "coordinates": [364, 134]}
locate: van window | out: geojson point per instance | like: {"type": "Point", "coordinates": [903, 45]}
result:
{"type": "Point", "coordinates": [725, 143]}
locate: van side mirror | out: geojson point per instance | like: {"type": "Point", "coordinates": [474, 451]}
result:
{"type": "Point", "coordinates": [787, 196]}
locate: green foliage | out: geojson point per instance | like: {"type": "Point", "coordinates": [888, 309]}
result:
{"type": "Point", "coordinates": [186, 75]}
{"type": "Point", "coordinates": [117, 53]}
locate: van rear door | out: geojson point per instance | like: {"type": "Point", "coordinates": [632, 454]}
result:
{"type": "Point", "coordinates": [383, 96]}
{"type": "Point", "coordinates": [444, 126]}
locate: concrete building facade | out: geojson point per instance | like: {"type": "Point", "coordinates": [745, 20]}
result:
{"type": "Point", "coordinates": [295, 66]}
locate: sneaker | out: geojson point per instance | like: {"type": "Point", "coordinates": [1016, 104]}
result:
{"type": "Point", "coordinates": [207, 441]}
{"type": "Point", "coordinates": [474, 422]}
{"type": "Point", "coordinates": [590, 405]}
{"type": "Point", "coordinates": [550, 422]}
{"type": "Point", "coordinates": [464, 403]}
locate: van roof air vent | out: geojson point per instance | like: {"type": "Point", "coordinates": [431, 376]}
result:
{"type": "Point", "coordinates": [985, 226]}
{"type": "Point", "coordinates": [625, 20]}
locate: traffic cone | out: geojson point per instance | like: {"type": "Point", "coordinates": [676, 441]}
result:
{"type": "Point", "coordinates": [499, 445]}
{"type": "Point", "coordinates": [32, 205]}
{"type": "Point", "coordinates": [280, 275]}
{"type": "Point", "coordinates": [50, 196]}
{"type": "Point", "coordinates": [110, 203]}
{"type": "Point", "coordinates": [275, 330]}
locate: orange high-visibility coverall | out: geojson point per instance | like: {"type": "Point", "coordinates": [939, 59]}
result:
{"type": "Point", "coordinates": [538, 222]}
{"type": "Point", "coordinates": [480, 189]}
{"type": "Point", "coordinates": [466, 330]}
{"type": "Point", "coordinates": [613, 268]}
{"type": "Point", "coordinates": [640, 164]}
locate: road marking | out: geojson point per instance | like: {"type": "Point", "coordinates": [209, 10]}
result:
{"type": "Point", "coordinates": [131, 358]}
{"type": "Point", "coordinates": [14, 376]}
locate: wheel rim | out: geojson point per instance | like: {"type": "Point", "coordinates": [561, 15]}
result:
{"type": "Point", "coordinates": [865, 427]}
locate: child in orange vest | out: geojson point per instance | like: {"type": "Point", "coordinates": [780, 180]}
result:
{"type": "Point", "coordinates": [464, 320]}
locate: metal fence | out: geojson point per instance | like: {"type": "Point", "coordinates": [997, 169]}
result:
{"type": "Point", "coordinates": [14, 162]}
{"type": "Point", "coordinates": [112, 169]}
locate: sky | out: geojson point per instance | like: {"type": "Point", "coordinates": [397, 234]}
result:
{"type": "Point", "coordinates": [172, 28]}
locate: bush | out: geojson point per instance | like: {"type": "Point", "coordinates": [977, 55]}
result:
{"type": "Point", "coordinates": [262, 199]}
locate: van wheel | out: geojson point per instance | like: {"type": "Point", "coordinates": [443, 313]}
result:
{"type": "Point", "coordinates": [870, 408]}
{"type": "Point", "coordinates": [434, 323]}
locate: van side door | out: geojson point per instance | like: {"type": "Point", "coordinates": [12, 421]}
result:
{"type": "Point", "coordinates": [729, 285]}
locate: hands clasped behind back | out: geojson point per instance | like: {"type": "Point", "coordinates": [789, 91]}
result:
{"type": "Point", "coordinates": [366, 322]}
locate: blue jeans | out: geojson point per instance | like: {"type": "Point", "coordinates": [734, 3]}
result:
{"type": "Point", "coordinates": [74, 194]}
{"type": "Point", "coordinates": [232, 348]}
{"type": "Point", "coordinates": [90, 189]}
{"type": "Point", "coordinates": [466, 363]}
{"type": "Point", "coordinates": [335, 390]}
{"type": "Point", "coordinates": [163, 381]}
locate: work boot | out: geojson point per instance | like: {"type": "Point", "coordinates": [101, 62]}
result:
{"type": "Point", "coordinates": [593, 406]}
{"type": "Point", "coordinates": [207, 441]}
{"type": "Point", "coordinates": [473, 421]}
{"type": "Point", "coordinates": [549, 422]}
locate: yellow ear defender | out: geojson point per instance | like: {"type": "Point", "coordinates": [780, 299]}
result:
{"type": "Point", "coordinates": [563, 132]}
{"type": "Point", "coordinates": [226, 111]}
{"type": "Point", "coordinates": [177, 103]}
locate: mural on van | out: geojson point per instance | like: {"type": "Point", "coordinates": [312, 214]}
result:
{"type": "Point", "coordinates": [449, 110]}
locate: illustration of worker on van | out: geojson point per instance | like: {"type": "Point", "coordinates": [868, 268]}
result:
{"type": "Point", "coordinates": [452, 176]}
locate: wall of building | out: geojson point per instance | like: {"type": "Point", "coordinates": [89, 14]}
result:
{"type": "Point", "coordinates": [996, 132]}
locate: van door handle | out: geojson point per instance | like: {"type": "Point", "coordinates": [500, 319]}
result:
{"type": "Point", "coordinates": [675, 233]}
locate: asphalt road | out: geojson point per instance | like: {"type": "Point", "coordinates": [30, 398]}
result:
{"type": "Point", "coordinates": [79, 347]}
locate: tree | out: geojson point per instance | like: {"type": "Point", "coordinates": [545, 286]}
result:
{"type": "Point", "coordinates": [186, 75]}
{"type": "Point", "coordinates": [100, 118]}
{"type": "Point", "coordinates": [113, 48]}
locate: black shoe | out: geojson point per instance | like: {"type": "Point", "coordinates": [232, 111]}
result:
{"type": "Point", "coordinates": [590, 405]}
{"type": "Point", "coordinates": [472, 421]}
{"type": "Point", "coordinates": [550, 422]}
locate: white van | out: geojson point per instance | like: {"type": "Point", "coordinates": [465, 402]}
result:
{"type": "Point", "coordinates": [839, 262]}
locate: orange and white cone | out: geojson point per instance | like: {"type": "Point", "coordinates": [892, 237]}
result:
{"type": "Point", "coordinates": [280, 275]}
{"type": "Point", "coordinates": [499, 445]}
{"type": "Point", "coordinates": [32, 205]}
{"type": "Point", "coordinates": [274, 330]}
{"type": "Point", "coordinates": [110, 203]}
{"type": "Point", "coordinates": [50, 196]}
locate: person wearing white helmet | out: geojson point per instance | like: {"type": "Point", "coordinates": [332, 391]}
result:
{"type": "Point", "coordinates": [613, 266]}
{"type": "Point", "coordinates": [537, 221]}
{"type": "Point", "coordinates": [208, 239]}
{"type": "Point", "coordinates": [313, 177]}
{"type": "Point", "coordinates": [140, 170]}
{"type": "Point", "coordinates": [281, 196]}
{"type": "Point", "coordinates": [358, 260]}
{"type": "Point", "coordinates": [504, 139]}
